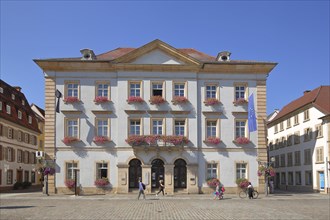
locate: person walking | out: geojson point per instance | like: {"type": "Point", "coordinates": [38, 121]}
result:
{"type": "Point", "coordinates": [250, 190]}
{"type": "Point", "coordinates": [217, 189]}
{"type": "Point", "coordinates": [161, 187]}
{"type": "Point", "coordinates": [142, 187]}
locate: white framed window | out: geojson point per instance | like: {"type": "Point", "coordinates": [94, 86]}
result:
{"type": "Point", "coordinates": [297, 159]}
{"type": "Point", "coordinates": [283, 142]}
{"type": "Point", "coordinates": [180, 127]}
{"type": "Point", "coordinates": [296, 137]}
{"type": "Point", "coordinates": [288, 123]}
{"type": "Point", "coordinates": [10, 154]}
{"type": "Point", "coordinates": [103, 89]}
{"type": "Point", "coordinates": [319, 131]}
{"type": "Point", "coordinates": [157, 89]}
{"type": "Point", "coordinates": [307, 157]}
{"type": "Point", "coordinates": [102, 127]}
{"type": "Point", "coordinates": [290, 159]}
{"type": "Point", "coordinates": [71, 127]}
{"type": "Point", "coordinates": [306, 115]}
{"type": "Point", "coordinates": [240, 91]}
{"type": "Point", "coordinates": [240, 128]}
{"type": "Point", "coordinates": [30, 119]}
{"type": "Point", "coordinates": [319, 155]}
{"type": "Point", "coordinates": [26, 138]}
{"type": "Point", "coordinates": [241, 170]}
{"type": "Point", "coordinates": [179, 89]}
{"type": "Point", "coordinates": [296, 119]}
{"type": "Point", "coordinates": [101, 170]}
{"type": "Point", "coordinates": [289, 140]}
{"type": "Point", "coordinates": [135, 127]}
{"type": "Point", "coordinates": [19, 156]}
{"type": "Point", "coordinates": [212, 128]}
{"type": "Point", "coordinates": [211, 91]}
{"type": "Point", "coordinates": [308, 135]}
{"type": "Point", "coordinates": [26, 157]}
{"type": "Point", "coordinates": [8, 109]}
{"type": "Point", "coordinates": [212, 170]}
{"type": "Point", "coordinates": [135, 89]}
{"type": "Point", "coordinates": [70, 167]}
{"type": "Point", "coordinates": [281, 126]}
{"type": "Point", "coordinates": [9, 177]}
{"type": "Point", "coordinates": [10, 133]}
{"type": "Point", "coordinates": [276, 128]}
{"type": "Point", "coordinates": [157, 126]}
{"type": "Point", "coordinates": [72, 89]}
{"type": "Point", "coordinates": [308, 177]}
{"type": "Point", "coordinates": [298, 178]}
{"type": "Point", "coordinates": [19, 114]}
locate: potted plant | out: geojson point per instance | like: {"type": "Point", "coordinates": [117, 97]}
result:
{"type": "Point", "coordinates": [240, 101]}
{"type": "Point", "coordinates": [211, 101]}
{"type": "Point", "coordinates": [212, 182]}
{"type": "Point", "coordinates": [213, 140]}
{"type": "Point", "coordinates": [242, 140]}
{"type": "Point", "coordinates": [135, 99]}
{"type": "Point", "coordinates": [179, 100]}
{"type": "Point", "coordinates": [135, 140]}
{"type": "Point", "coordinates": [242, 183]}
{"type": "Point", "coordinates": [103, 182]}
{"type": "Point", "coordinates": [156, 100]}
{"type": "Point", "coordinates": [101, 99]}
{"type": "Point", "coordinates": [151, 139]}
{"type": "Point", "coordinates": [101, 139]}
{"type": "Point", "coordinates": [69, 140]}
{"type": "Point", "coordinates": [71, 99]}
{"type": "Point", "coordinates": [175, 139]}
{"type": "Point", "coordinates": [70, 183]}
{"type": "Point", "coordinates": [266, 171]}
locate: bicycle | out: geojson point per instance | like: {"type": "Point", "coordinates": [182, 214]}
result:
{"type": "Point", "coordinates": [244, 193]}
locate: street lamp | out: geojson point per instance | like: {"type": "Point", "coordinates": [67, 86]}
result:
{"type": "Point", "coordinates": [266, 171]}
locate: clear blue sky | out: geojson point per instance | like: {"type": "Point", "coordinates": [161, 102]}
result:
{"type": "Point", "coordinates": [293, 33]}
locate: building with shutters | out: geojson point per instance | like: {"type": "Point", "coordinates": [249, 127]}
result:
{"type": "Point", "coordinates": [153, 112]}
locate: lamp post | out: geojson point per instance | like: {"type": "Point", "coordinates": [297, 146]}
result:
{"type": "Point", "coordinates": [266, 166]}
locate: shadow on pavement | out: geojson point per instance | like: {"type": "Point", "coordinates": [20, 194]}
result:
{"type": "Point", "coordinates": [16, 207]}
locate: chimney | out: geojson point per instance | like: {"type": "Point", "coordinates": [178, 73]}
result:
{"type": "Point", "coordinates": [306, 91]}
{"type": "Point", "coordinates": [17, 88]}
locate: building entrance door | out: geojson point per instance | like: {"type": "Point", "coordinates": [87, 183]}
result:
{"type": "Point", "coordinates": [180, 174]}
{"type": "Point", "coordinates": [19, 176]}
{"type": "Point", "coordinates": [321, 181]}
{"type": "Point", "coordinates": [157, 173]}
{"type": "Point", "coordinates": [135, 172]}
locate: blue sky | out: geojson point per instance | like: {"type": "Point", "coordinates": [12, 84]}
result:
{"type": "Point", "coordinates": [295, 34]}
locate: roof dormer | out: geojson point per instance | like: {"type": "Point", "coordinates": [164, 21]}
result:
{"type": "Point", "coordinates": [87, 54]}
{"type": "Point", "coordinates": [223, 56]}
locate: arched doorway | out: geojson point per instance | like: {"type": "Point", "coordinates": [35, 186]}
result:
{"type": "Point", "coordinates": [180, 174]}
{"type": "Point", "coordinates": [135, 172]}
{"type": "Point", "coordinates": [157, 173]}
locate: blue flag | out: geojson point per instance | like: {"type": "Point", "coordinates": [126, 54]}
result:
{"type": "Point", "coordinates": [252, 120]}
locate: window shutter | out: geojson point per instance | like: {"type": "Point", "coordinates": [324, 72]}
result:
{"type": "Point", "coordinates": [13, 155]}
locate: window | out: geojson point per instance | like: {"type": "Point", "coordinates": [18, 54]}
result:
{"type": "Point", "coordinates": [102, 127]}
{"type": "Point", "coordinates": [19, 156]}
{"type": "Point", "coordinates": [103, 89]}
{"type": "Point", "coordinates": [297, 137]}
{"type": "Point", "coordinates": [306, 115]}
{"type": "Point", "coordinates": [9, 177]}
{"type": "Point", "coordinates": [297, 158]}
{"type": "Point", "coordinates": [8, 109]}
{"type": "Point", "coordinates": [10, 154]}
{"type": "Point", "coordinates": [0, 177]}
{"type": "Point", "coordinates": [319, 131]}
{"type": "Point", "coordinates": [211, 91]}
{"type": "Point", "coordinates": [212, 170]}
{"type": "Point", "coordinates": [13, 96]}
{"type": "Point", "coordinates": [26, 175]}
{"type": "Point", "coordinates": [290, 178]}
{"type": "Point", "coordinates": [19, 114]}
{"type": "Point", "coordinates": [26, 157]}
{"type": "Point", "coordinates": [290, 159]}
{"type": "Point", "coordinates": [241, 170]}
{"type": "Point", "coordinates": [240, 92]}
{"type": "Point", "coordinates": [277, 161]}
{"type": "Point", "coordinates": [307, 157]}
{"type": "Point", "coordinates": [298, 177]}
{"type": "Point", "coordinates": [283, 142]}
{"type": "Point", "coordinates": [101, 170]}
{"type": "Point", "coordinates": [1, 129]}
{"type": "Point", "coordinates": [26, 138]}
{"type": "Point", "coordinates": [271, 147]}
{"type": "Point", "coordinates": [179, 89]}
{"type": "Point", "coordinates": [288, 123]}
{"type": "Point", "coordinates": [1, 153]}
{"type": "Point", "coordinates": [157, 126]}
{"type": "Point", "coordinates": [308, 134]}
{"type": "Point", "coordinates": [319, 155]}
{"type": "Point", "coordinates": [70, 167]}
{"type": "Point", "coordinates": [135, 127]}
{"type": "Point", "coordinates": [281, 126]}
{"type": "Point", "coordinates": [211, 128]}
{"type": "Point", "coordinates": [276, 144]}
{"type": "Point", "coordinates": [72, 128]}
{"type": "Point", "coordinates": [1, 90]}
{"type": "Point", "coordinates": [33, 177]}
{"type": "Point", "coordinates": [179, 127]}
{"type": "Point", "coordinates": [30, 119]}
{"type": "Point", "coordinates": [282, 160]}
{"type": "Point", "coordinates": [276, 128]}
{"type": "Point", "coordinates": [135, 89]}
{"type": "Point", "coordinates": [308, 177]}
{"type": "Point", "coordinates": [296, 120]}
{"type": "Point", "coordinates": [240, 128]}
{"type": "Point", "coordinates": [72, 89]}
{"type": "Point", "coordinates": [10, 133]}
{"type": "Point", "coordinates": [289, 140]}
{"type": "Point", "coordinates": [23, 102]}
{"type": "Point", "coordinates": [157, 89]}
{"type": "Point", "coordinates": [283, 178]}
{"type": "Point", "coordinates": [0, 106]}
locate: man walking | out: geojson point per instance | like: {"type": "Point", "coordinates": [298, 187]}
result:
{"type": "Point", "coordinates": [142, 187]}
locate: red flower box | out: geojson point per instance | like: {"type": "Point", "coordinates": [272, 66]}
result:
{"type": "Point", "coordinates": [213, 140]}
{"type": "Point", "coordinates": [179, 100]}
{"type": "Point", "coordinates": [240, 101]}
{"type": "Point", "coordinates": [135, 99]}
{"type": "Point", "coordinates": [102, 182]}
{"type": "Point", "coordinates": [71, 99]}
{"type": "Point", "coordinates": [101, 139]}
{"type": "Point", "coordinates": [101, 99]}
{"type": "Point", "coordinates": [242, 140]}
{"type": "Point", "coordinates": [211, 101]}
{"type": "Point", "coordinates": [68, 140]}
{"type": "Point", "coordinates": [156, 100]}
{"type": "Point", "coordinates": [70, 183]}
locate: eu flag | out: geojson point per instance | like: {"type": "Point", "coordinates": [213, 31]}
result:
{"type": "Point", "coordinates": [252, 120]}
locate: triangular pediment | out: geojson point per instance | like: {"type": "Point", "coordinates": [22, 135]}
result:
{"type": "Point", "coordinates": [157, 52]}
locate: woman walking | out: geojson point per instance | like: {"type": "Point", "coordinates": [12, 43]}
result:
{"type": "Point", "coordinates": [161, 187]}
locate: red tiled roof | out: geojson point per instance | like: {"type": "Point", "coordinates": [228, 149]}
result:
{"type": "Point", "coordinates": [16, 105]}
{"type": "Point", "coordinates": [319, 98]}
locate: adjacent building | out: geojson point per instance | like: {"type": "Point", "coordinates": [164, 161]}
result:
{"type": "Point", "coordinates": [299, 139]}
{"type": "Point", "coordinates": [153, 112]}
{"type": "Point", "coordinates": [18, 138]}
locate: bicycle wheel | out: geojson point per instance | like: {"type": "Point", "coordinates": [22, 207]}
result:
{"type": "Point", "coordinates": [255, 194]}
{"type": "Point", "coordinates": [242, 194]}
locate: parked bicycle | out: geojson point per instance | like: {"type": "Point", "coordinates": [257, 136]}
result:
{"type": "Point", "coordinates": [244, 193]}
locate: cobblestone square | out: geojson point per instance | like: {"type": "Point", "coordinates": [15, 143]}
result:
{"type": "Point", "coordinates": [275, 206]}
